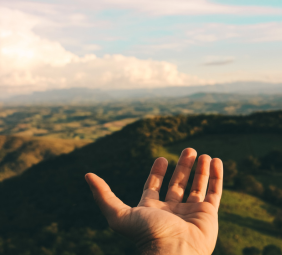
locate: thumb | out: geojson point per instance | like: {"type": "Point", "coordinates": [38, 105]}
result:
{"type": "Point", "coordinates": [111, 206]}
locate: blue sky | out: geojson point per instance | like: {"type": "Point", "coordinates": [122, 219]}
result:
{"type": "Point", "coordinates": [180, 42]}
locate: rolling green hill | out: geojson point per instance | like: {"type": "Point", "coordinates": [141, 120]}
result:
{"type": "Point", "coordinates": [48, 209]}
{"type": "Point", "coordinates": [20, 153]}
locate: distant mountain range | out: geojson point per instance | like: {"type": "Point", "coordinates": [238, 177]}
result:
{"type": "Point", "coordinates": [60, 96]}
{"type": "Point", "coordinates": [249, 88]}
{"type": "Point", "coordinates": [88, 96]}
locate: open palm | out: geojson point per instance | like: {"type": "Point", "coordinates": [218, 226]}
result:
{"type": "Point", "coordinates": [169, 227]}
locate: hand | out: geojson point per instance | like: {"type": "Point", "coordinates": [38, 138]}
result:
{"type": "Point", "coordinates": [169, 227]}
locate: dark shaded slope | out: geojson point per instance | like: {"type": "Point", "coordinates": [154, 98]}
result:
{"type": "Point", "coordinates": [55, 190]}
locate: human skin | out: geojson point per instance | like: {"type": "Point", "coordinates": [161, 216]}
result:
{"type": "Point", "coordinates": [170, 226]}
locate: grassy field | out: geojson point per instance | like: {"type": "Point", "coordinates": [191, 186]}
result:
{"type": "Point", "coordinates": [246, 221]}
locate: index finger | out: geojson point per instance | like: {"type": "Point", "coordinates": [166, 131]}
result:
{"type": "Point", "coordinates": [154, 182]}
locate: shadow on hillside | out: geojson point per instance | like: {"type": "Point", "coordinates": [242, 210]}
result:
{"type": "Point", "coordinates": [257, 225]}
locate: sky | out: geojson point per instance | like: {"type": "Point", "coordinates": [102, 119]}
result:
{"type": "Point", "coordinates": [126, 44]}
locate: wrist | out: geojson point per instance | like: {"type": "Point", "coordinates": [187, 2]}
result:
{"type": "Point", "coordinates": [166, 247]}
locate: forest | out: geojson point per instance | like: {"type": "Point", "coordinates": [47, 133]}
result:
{"type": "Point", "coordinates": [47, 208]}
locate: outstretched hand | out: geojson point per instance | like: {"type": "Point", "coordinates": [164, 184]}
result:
{"type": "Point", "coordinates": [169, 227]}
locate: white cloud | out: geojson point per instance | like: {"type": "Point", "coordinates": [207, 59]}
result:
{"type": "Point", "coordinates": [218, 60]}
{"type": "Point", "coordinates": [247, 33]}
{"type": "Point", "coordinates": [29, 62]}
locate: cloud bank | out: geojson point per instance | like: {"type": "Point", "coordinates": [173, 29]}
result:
{"type": "Point", "coordinates": [31, 63]}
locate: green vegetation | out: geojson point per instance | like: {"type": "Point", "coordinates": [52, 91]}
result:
{"type": "Point", "coordinates": [246, 221]}
{"type": "Point", "coordinates": [278, 221]}
{"type": "Point", "coordinates": [271, 250]}
{"type": "Point", "coordinates": [230, 146]}
{"type": "Point", "coordinates": [48, 209]}
{"type": "Point", "coordinates": [251, 251]}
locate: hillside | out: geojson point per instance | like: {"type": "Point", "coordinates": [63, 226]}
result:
{"type": "Point", "coordinates": [49, 210]}
{"type": "Point", "coordinates": [246, 221]}
{"type": "Point", "coordinates": [225, 146]}
{"type": "Point", "coordinates": [20, 153]}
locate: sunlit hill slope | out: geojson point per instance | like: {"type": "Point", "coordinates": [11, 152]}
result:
{"type": "Point", "coordinates": [19, 153]}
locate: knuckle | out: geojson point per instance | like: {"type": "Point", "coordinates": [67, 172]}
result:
{"type": "Point", "coordinates": [196, 192]}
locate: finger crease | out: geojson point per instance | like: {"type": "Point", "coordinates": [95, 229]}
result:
{"type": "Point", "coordinates": [212, 192]}
{"type": "Point", "coordinates": [152, 188]}
{"type": "Point", "coordinates": [207, 175]}
{"type": "Point", "coordinates": [158, 175]}
{"type": "Point", "coordinates": [184, 165]}
{"type": "Point", "coordinates": [197, 191]}
{"type": "Point", "coordinates": [216, 178]}
{"type": "Point", "coordinates": [179, 184]}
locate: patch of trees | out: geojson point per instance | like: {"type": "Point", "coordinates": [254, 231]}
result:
{"type": "Point", "coordinates": [165, 130]}
{"type": "Point", "coordinates": [269, 163]}
{"type": "Point", "coordinates": [251, 251]}
{"type": "Point", "coordinates": [52, 240]}
{"type": "Point", "coordinates": [245, 179]}
{"type": "Point", "coordinates": [272, 161]}
{"type": "Point", "coordinates": [273, 195]}
{"type": "Point", "coordinates": [230, 171]}
{"type": "Point", "coordinates": [240, 181]}
{"type": "Point", "coordinates": [251, 164]}
{"type": "Point", "coordinates": [278, 221]}
{"type": "Point", "coordinates": [267, 250]}
{"type": "Point", "coordinates": [249, 184]}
